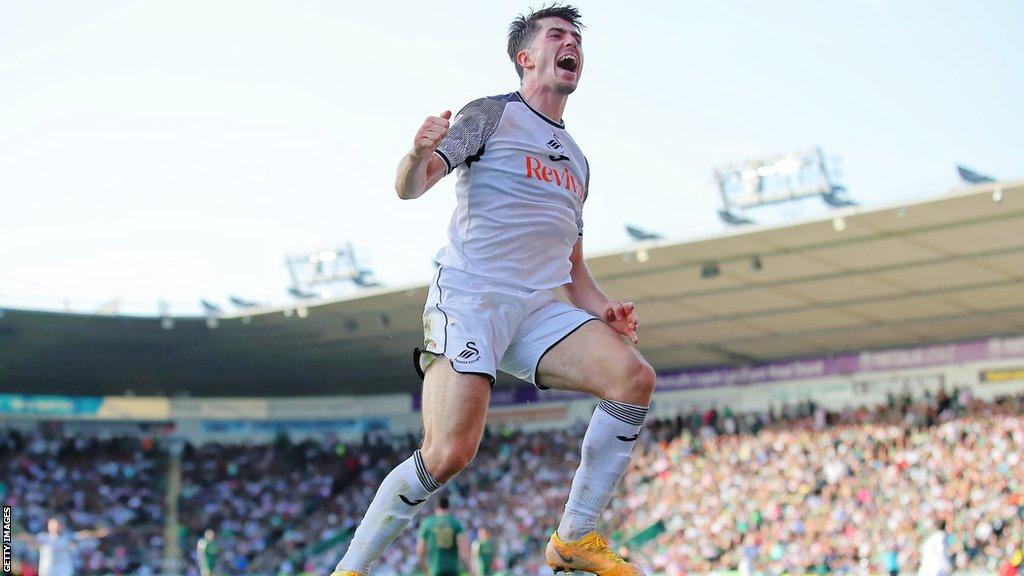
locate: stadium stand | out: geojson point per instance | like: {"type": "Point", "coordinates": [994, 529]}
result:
{"type": "Point", "coordinates": [89, 482]}
{"type": "Point", "coordinates": [798, 490]}
{"type": "Point", "coordinates": [801, 488]}
{"type": "Point", "coordinates": [935, 270]}
{"type": "Point", "coordinates": [817, 492]}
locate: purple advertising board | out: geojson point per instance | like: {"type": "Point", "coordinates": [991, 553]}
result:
{"type": "Point", "coordinates": [867, 361]}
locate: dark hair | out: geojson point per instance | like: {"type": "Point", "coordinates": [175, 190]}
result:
{"type": "Point", "coordinates": [525, 27]}
{"type": "Point", "coordinates": [442, 502]}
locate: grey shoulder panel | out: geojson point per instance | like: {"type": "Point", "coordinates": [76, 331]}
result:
{"type": "Point", "coordinates": [471, 128]}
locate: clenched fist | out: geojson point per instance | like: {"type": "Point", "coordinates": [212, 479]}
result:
{"type": "Point", "coordinates": [430, 134]}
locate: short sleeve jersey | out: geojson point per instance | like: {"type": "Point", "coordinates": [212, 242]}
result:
{"type": "Point", "coordinates": [208, 551]}
{"type": "Point", "coordinates": [440, 533]}
{"type": "Point", "coordinates": [484, 554]}
{"type": "Point", "coordinates": [54, 554]}
{"type": "Point", "coordinates": [522, 181]}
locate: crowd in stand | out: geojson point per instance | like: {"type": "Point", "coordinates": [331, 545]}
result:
{"type": "Point", "coordinates": [269, 502]}
{"type": "Point", "coordinates": [815, 492]}
{"type": "Point", "coordinates": [802, 490]}
{"type": "Point", "coordinates": [799, 490]}
{"type": "Point", "coordinates": [91, 485]}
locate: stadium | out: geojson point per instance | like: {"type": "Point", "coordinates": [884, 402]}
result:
{"type": "Point", "coordinates": [816, 409]}
{"type": "Point", "coordinates": [829, 377]}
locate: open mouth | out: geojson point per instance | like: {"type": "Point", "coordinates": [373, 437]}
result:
{"type": "Point", "coordinates": [568, 62]}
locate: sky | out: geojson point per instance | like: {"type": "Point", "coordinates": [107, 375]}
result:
{"type": "Point", "coordinates": [178, 150]}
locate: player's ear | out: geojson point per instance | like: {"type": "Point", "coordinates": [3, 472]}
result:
{"type": "Point", "coordinates": [525, 59]}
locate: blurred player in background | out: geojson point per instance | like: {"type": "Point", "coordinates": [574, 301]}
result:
{"type": "Point", "coordinates": [207, 552]}
{"type": "Point", "coordinates": [56, 547]}
{"type": "Point", "coordinates": [935, 553]}
{"type": "Point", "coordinates": [442, 546]}
{"type": "Point", "coordinates": [483, 554]}
{"type": "Point", "coordinates": [515, 237]}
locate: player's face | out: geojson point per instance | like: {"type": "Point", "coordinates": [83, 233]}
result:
{"type": "Point", "coordinates": [558, 55]}
{"type": "Point", "coordinates": [53, 526]}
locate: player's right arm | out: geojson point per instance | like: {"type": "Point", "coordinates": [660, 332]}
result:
{"type": "Point", "coordinates": [420, 169]}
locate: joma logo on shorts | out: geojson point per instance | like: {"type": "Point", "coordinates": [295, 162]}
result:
{"type": "Point", "coordinates": [564, 178]}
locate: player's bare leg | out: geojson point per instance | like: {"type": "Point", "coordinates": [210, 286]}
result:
{"type": "Point", "coordinates": [595, 359]}
{"type": "Point", "coordinates": [454, 414]}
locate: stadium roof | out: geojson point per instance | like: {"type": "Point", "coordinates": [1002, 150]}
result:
{"type": "Point", "coordinates": [942, 269]}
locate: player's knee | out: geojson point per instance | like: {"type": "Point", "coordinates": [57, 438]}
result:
{"type": "Point", "coordinates": [646, 379]}
{"type": "Point", "coordinates": [445, 461]}
{"type": "Point", "coordinates": [635, 382]}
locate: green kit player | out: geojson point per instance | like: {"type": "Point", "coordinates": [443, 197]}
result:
{"type": "Point", "coordinates": [441, 546]}
{"type": "Point", "coordinates": [207, 551]}
{"type": "Point", "coordinates": [483, 554]}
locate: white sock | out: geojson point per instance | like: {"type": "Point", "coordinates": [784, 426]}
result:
{"type": "Point", "coordinates": [399, 498]}
{"type": "Point", "coordinates": [610, 437]}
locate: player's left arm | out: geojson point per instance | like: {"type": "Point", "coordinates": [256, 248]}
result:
{"type": "Point", "coordinates": [98, 533]}
{"type": "Point", "coordinates": [584, 293]}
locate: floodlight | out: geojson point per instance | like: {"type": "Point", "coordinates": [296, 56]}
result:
{"type": "Point", "coordinates": [322, 269]}
{"type": "Point", "coordinates": [774, 180]}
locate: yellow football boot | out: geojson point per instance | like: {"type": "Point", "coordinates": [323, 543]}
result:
{"type": "Point", "coordinates": [590, 553]}
{"type": "Point", "coordinates": [345, 573]}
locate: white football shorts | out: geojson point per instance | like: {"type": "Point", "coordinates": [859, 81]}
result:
{"type": "Point", "coordinates": [483, 326]}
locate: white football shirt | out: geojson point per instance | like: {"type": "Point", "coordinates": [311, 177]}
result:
{"type": "Point", "coordinates": [935, 556]}
{"type": "Point", "coordinates": [54, 554]}
{"type": "Point", "coordinates": [522, 181]}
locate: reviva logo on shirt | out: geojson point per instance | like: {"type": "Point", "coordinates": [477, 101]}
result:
{"type": "Point", "coordinates": [563, 178]}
